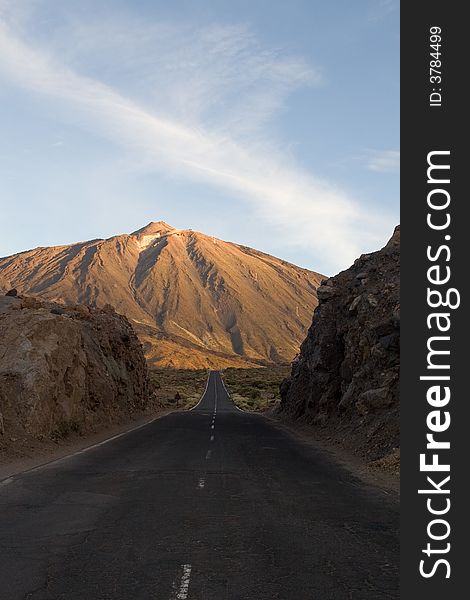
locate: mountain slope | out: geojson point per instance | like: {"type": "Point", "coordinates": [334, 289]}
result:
{"type": "Point", "coordinates": [194, 300]}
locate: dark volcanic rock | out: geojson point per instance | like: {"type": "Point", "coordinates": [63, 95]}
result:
{"type": "Point", "coordinates": [346, 376]}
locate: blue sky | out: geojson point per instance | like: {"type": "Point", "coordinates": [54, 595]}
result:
{"type": "Point", "coordinates": [273, 124]}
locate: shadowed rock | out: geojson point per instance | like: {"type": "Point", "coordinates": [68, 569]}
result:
{"type": "Point", "coordinates": [66, 369]}
{"type": "Point", "coordinates": [346, 376]}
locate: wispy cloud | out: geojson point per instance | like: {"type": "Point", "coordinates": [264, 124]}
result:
{"type": "Point", "coordinates": [218, 76]}
{"type": "Point", "coordinates": [384, 161]}
{"type": "Point", "coordinates": [381, 9]}
{"type": "Point", "coordinates": [198, 114]}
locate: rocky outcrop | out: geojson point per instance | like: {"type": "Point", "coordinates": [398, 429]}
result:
{"type": "Point", "coordinates": [345, 378]}
{"type": "Point", "coordinates": [66, 369]}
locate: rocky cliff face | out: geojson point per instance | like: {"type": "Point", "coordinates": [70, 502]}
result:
{"type": "Point", "coordinates": [65, 369]}
{"type": "Point", "coordinates": [346, 376]}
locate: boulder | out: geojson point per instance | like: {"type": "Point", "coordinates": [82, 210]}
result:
{"type": "Point", "coordinates": [67, 368]}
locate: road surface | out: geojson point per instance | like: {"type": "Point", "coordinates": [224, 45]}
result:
{"type": "Point", "coordinates": [208, 504]}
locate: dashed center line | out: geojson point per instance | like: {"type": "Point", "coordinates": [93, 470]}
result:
{"type": "Point", "coordinates": [202, 482]}
{"type": "Point", "coordinates": [182, 593]}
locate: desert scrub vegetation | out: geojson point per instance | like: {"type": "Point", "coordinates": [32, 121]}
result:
{"type": "Point", "coordinates": [65, 428]}
{"type": "Point", "coordinates": [255, 389]}
{"type": "Point", "coordinates": [178, 388]}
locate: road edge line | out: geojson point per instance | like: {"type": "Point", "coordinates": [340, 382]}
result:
{"type": "Point", "coordinates": [10, 478]}
{"type": "Point", "coordinates": [203, 394]}
{"type": "Point", "coordinates": [229, 395]}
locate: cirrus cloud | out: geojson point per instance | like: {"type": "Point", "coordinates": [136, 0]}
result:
{"type": "Point", "coordinates": [197, 110]}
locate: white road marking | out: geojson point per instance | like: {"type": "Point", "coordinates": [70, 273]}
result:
{"type": "Point", "coordinates": [212, 438]}
{"type": "Point", "coordinates": [228, 394]}
{"type": "Point", "coordinates": [205, 390]}
{"type": "Point", "coordinates": [184, 584]}
{"type": "Point", "coordinates": [77, 453]}
{"type": "Point", "coordinates": [212, 426]}
{"type": "Point", "coordinates": [208, 455]}
{"type": "Point", "coordinates": [201, 483]}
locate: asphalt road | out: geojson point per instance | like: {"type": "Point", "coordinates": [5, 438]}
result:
{"type": "Point", "coordinates": [209, 504]}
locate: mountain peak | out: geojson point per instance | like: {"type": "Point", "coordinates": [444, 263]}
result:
{"type": "Point", "coordinates": [153, 228]}
{"type": "Point", "coordinates": [152, 232]}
